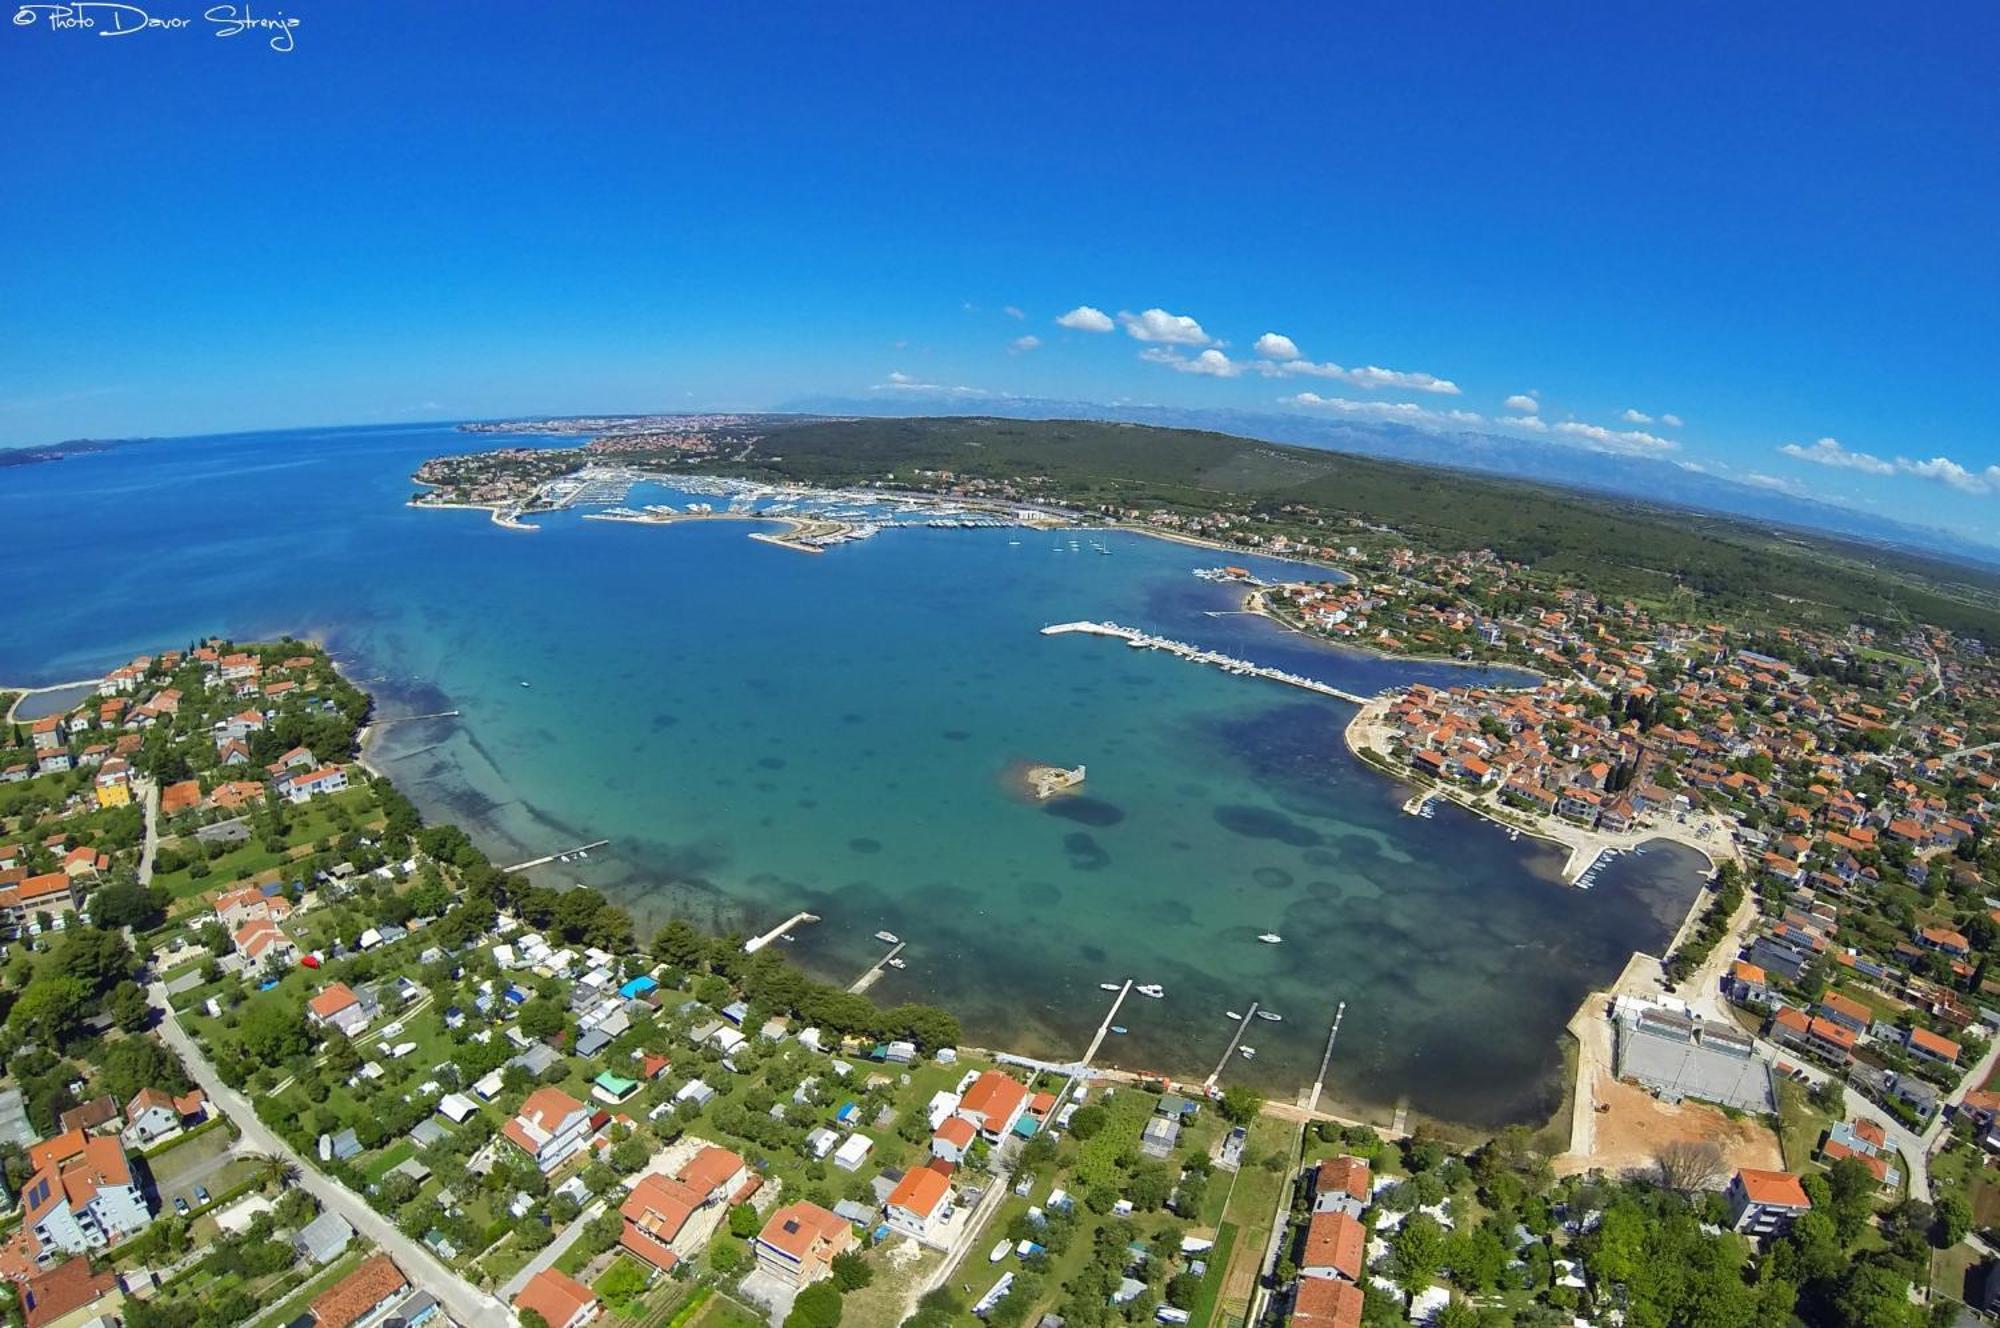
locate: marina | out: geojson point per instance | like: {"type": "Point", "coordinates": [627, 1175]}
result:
{"type": "Point", "coordinates": [1139, 640]}
{"type": "Point", "coordinates": [1090, 1052]}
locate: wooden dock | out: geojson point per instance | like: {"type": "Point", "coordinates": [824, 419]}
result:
{"type": "Point", "coordinates": [1312, 1103]}
{"type": "Point", "coordinates": [1228, 664]}
{"type": "Point", "coordinates": [876, 970]}
{"type": "Point", "coordinates": [1223, 1064]}
{"type": "Point", "coordinates": [756, 943]}
{"type": "Point", "coordinates": [547, 858]}
{"type": "Point", "coordinates": [1104, 1028]}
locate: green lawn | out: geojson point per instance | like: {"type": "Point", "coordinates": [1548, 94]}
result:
{"type": "Point", "coordinates": [1800, 1126]}
{"type": "Point", "coordinates": [1211, 1285]}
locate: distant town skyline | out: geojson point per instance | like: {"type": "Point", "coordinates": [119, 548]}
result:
{"type": "Point", "coordinates": [1748, 245]}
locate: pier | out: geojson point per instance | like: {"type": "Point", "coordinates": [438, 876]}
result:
{"type": "Point", "coordinates": [1223, 1064]}
{"type": "Point", "coordinates": [1415, 806]}
{"type": "Point", "coordinates": [876, 970]}
{"type": "Point", "coordinates": [1139, 640]}
{"type": "Point", "coordinates": [547, 858]}
{"type": "Point", "coordinates": [1312, 1102]}
{"type": "Point", "coordinates": [756, 943]}
{"type": "Point", "coordinates": [1104, 1028]}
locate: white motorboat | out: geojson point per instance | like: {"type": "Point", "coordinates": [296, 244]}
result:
{"type": "Point", "coordinates": [999, 1251]}
{"type": "Point", "coordinates": [1110, 986]}
{"type": "Point", "coordinates": [1270, 938]}
{"type": "Point", "coordinates": [1153, 989]}
{"type": "Point", "coordinates": [888, 938]}
{"type": "Point", "coordinates": [1231, 1014]}
{"type": "Point", "coordinates": [1274, 1018]}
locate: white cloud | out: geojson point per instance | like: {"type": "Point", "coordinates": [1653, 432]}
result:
{"type": "Point", "coordinates": [1635, 417]}
{"type": "Point", "coordinates": [1369, 377]}
{"type": "Point", "coordinates": [1398, 412]}
{"type": "Point", "coordinates": [1277, 346]}
{"type": "Point", "coordinates": [1629, 441]}
{"type": "Point", "coordinates": [1083, 318]}
{"type": "Point", "coordinates": [1157, 325]}
{"type": "Point", "coordinates": [1829, 452]}
{"type": "Point", "coordinates": [1022, 345]}
{"type": "Point", "coordinates": [902, 382]}
{"type": "Point", "coordinates": [1532, 423]}
{"type": "Point", "coordinates": [1946, 471]}
{"type": "Point", "coordinates": [1759, 480]}
{"type": "Point", "coordinates": [1523, 402]}
{"type": "Point", "coordinates": [1211, 362]}
{"type": "Point", "coordinates": [1671, 420]}
{"type": "Point", "coordinates": [1013, 311]}
{"type": "Point", "coordinates": [1938, 469]}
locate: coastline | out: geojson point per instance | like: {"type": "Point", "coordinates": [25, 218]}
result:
{"type": "Point", "coordinates": [505, 516]}
{"type": "Point", "coordinates": [1255, 602]}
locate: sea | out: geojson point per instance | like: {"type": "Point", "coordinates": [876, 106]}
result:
{"type": "Point", "coordinates": [758, 731]}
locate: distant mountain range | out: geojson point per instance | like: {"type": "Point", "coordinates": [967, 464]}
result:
{"type": "Point", "coordinates": [1531, 459]}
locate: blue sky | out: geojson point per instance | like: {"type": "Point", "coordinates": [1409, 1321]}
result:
{"type": "Point", "coordinates": [1774, 226]}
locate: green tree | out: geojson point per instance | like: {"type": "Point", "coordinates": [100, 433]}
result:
{"type": "Point", "coordinates": [850, 1271]}
{"type": "Point", "coordinates": [1417, 1252]}
{"type": "Point", "coordinates": [743, 1221]}
{"type": "Point", "coordinates": [1240, 1105]}
{"type": "Point", "coordinates": [818, 1306]}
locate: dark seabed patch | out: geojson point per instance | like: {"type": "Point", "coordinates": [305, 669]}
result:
{"type": "Point", "coordinates": [1085, 853]}
{"type": "Point", "coordinates": [1320, 857]}
{"type": "Point", "coordinates": [1272, 878]}
{"type": "Point", "coordinates": [1040, 893]}
{"type": "Point", "coordinates": [771, 763]}
{"type": "Point", "coordinates": [1091, 953]}
{"type": "Point", "coordinates": [863, 844]}
{"type": "Point", "coordinates": [1260, 823]}
{"type": "Point", "coordinates": [956, 735]}
{"type": "Point", "coordinates": [1086, 811]}
{"type": "Point", "coordinates": [664, 722]}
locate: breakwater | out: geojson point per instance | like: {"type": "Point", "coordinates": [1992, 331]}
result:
{"type": "Point", "coordinates": [1139, 640]}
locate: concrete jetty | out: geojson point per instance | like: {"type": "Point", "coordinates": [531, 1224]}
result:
{"type": "Point", "coordinates": [1139, 640]}
{"type": "Point", "coordinates": [547, 858]}
{"type": "Point", "coordinates": [1312, 1102]}
{"type": "Point", "coordinates": [1223, 1064]}
{"type": "Point", "coordinates": [756, 943]}
{"type": "Point", "coordinates": [411, 719]}
{"type": "Point", "coordinates": [1091, 1053]}
{"type": "Point", "coordinates": [876, 970]}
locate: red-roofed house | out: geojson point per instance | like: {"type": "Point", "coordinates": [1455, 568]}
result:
{"type": "Point", "coordinates": [670, 1218]}
{"type": "Point", "coordinates": [366, 1291]}
{"type": "Point", "coordinates": [953, 1138]}
{"type": "Point", "coordinates": [1341, 1186]}
{"type": "Point", "coordinates": [1922, 1042]}
{"type": "Point", "coordinates": [265, 944]}
{"type": "Point", "coordinates": [551, 1127]}
{"type": "Point", "coordinates": [561, 1300]}
{"type": "Point", "coordinates": [798, 1244]}
{"type": "Point", "coordinates": [1334, 1246]}
{"type": "Point", "coordinates": [64, 1291]}
{"type": "Point", "coordinates": [921, 1204]}
{"type": "Point", "coordinates": [993, 1102]}
{"type": "Point", "coordinates": [1763, 1203]}
{"type": "Point", "coordinates": [338, 1007]}
{"type": "Point", "coordinates": [1324, 1302]}
{"type": "Point", "coordinates": [85, 1202]}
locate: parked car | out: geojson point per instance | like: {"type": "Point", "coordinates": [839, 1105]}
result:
{"type": "Point", "coordinates": [180, 1205]}
{"type": "Point", "coordinates": [201, 1194]}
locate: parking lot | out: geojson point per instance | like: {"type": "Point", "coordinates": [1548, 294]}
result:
{"type": "Point", "coordinates": [204, 1161]}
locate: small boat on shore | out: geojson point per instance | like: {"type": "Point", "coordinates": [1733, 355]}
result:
{"type": "Point", "coordinates": [1274, 1018]}
{"type": "Point", "coordinates": [888, 938]}
{"type": "Point", "coordinates": [999, 1251]}
{"type": "Point", "coordinates": [1270, 938]}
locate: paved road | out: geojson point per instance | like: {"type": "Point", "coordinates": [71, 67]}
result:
{"type": "Point", "coordinates": [466, 1303]}
{"type": "Point", "coordinates": [149, 792]}
{"type": "Point", "coordinates": [549, 1253]}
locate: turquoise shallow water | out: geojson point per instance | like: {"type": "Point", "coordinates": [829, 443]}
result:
{"type": "Point", "coordinates": [759, 731]}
